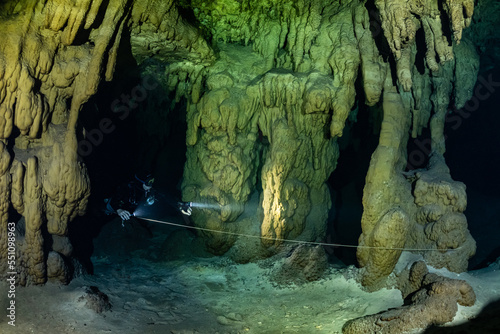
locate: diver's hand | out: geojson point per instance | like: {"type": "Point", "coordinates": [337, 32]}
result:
{"type": "Point", "coordinates": [124, 214]}
{"type": "Point", "coordinates": [187, 211]}
{"type": "Point", "coordinates": [185, 208]}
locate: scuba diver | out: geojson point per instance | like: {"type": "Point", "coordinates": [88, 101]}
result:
{"type": "Point", "coordinates": [140, 192]}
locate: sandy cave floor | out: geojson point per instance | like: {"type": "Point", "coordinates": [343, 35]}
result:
{"type": "Point", "coordinates": [204, 295]}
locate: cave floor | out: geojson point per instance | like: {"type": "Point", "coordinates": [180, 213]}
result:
{"type": "Point", "coordinates": [200, 295]}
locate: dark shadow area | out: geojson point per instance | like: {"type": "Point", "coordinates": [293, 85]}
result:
{"type": "Point", "coordinates": [473, 156]}
{"type": "Point", "coordinates": [12, 141]}
{"type": "Point", "coordinates": [346, 183]}
{"type": "Point", "coordinates": [421, 51]}
{"type": "Point", "coordinates": [377, 31]}
{"type": "Point", "coordinates": [418, 150]}
{"type": "Point", "coordinates": [485, 322]}
{"type": "Point", "coordinates": [471, 137]}
{"type": "Point", "coordinates": [489, 259]}
{"type": "Point", "coordinates": [118, 144]}
{"type": "Point", "coordinates": [83, 35]}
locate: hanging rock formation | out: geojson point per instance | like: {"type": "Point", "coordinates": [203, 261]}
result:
{"type": "Point", "coordinates": [402, 19]}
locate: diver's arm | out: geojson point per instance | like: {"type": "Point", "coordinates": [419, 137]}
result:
{"type": "Point", "coordinates": [118, 203]}
{"type": "Point", "coordinates": [183, 207]}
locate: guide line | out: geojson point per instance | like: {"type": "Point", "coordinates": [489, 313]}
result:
{"type": "Point", "coordinates": [297, 241]}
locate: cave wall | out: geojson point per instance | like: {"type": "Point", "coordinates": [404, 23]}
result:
{"type": "Point", "coordinates": [52, 60]}
{"type": "Point", "coordinates": [415, 72]}
{"type": "Point", "coordinates": [267, 87]}
{"type": "Point", "coordinates": [265, 124]}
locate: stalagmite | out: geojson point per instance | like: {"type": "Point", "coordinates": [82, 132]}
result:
{"type": "Point", "coordinates": [389, 202]}
{"type": "Point", "coordinates": [387, 198]}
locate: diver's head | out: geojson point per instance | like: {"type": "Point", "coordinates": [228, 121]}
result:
{"type": "Point", "coordinates": [146, 179]}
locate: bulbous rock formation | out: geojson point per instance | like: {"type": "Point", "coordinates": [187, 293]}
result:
{"type": "Point", "coordinates": [286, 106]}
{"type": "Point", "coordinates": [430, 300]}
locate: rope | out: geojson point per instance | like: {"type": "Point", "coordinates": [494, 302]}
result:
{"type": "Point", "coordinates": [297, 241]}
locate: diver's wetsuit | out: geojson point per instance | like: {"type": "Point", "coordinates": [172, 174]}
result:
{"type": "Point", "coordinates": [131, 195]}
{"type": "Point", "coordinates": [127, 197]}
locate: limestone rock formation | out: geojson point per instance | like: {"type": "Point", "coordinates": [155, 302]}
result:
{"type": "Point", "coordinates": [95, 299]}
{"type": "Point", "coordinates": [157, 29]}
{"type": "Point", "coordinates": [305, 264]}
{"type": "Point", "coordinates": [50, 64]}
{"type": "Point", "coordinates": [387, 201]}
{"type": "Point", "coordinates": [301, 47]}
{"type": "Point", "coordinates": [430, 299]}
{"type": "Point", "coordinates": [257, 123]}
{"type": "Point", "coordinates": [391, 208]}
{"type": "Point", "coordinates": [402, 19]}
{"type": "Point", "coordinates": [441, 223]}
{"type": "Point", "coordinates": [267, 87]}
